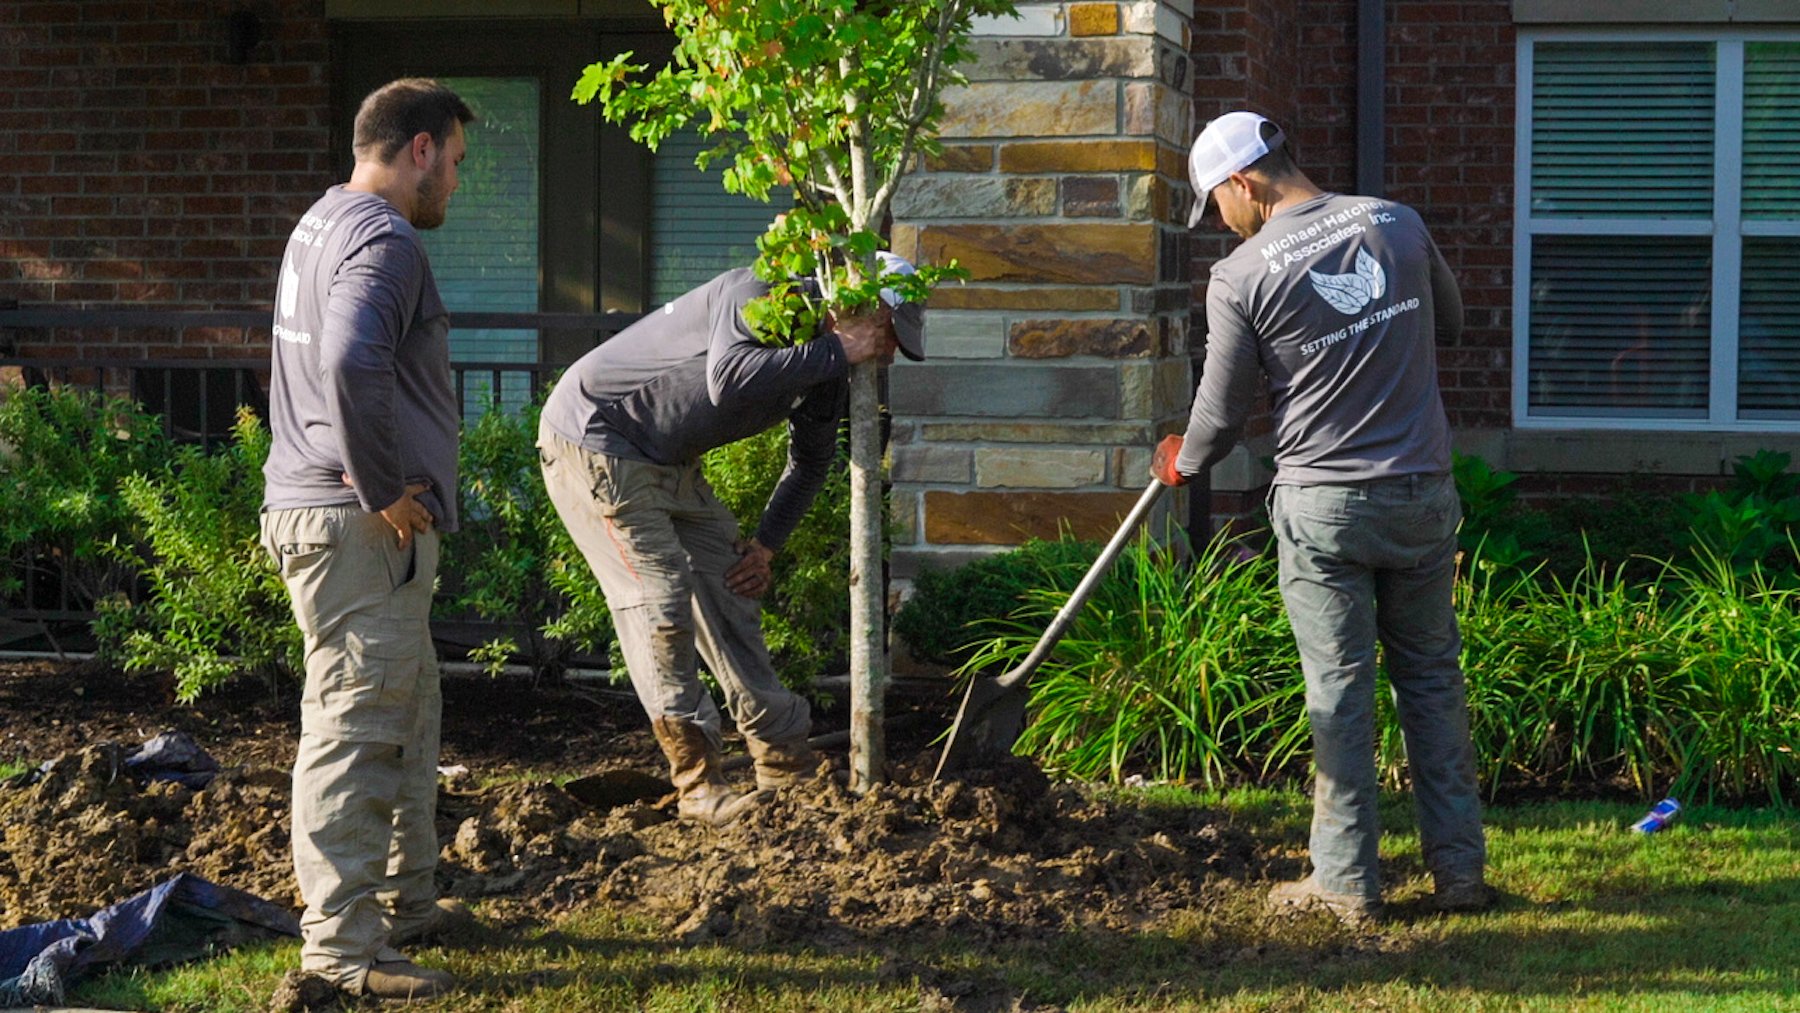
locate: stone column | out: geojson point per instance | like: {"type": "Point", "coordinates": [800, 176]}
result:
{"type": "Point", "coordinates": [1062, 189]}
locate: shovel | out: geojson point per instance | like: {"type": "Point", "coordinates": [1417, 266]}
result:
{"type": "Point", "coordinates": [993, 710]}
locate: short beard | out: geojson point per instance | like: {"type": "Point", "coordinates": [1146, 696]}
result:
{"type": "Point", "coordinates": [428, 203]}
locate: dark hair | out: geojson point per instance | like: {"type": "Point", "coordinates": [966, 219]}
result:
{"type": "Point", "coordinates": [1279, 161]}
{"type": "Point", "coordinates": [398, 111]}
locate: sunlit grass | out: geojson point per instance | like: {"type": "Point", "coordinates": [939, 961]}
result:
{"type": "Point", "coordinates": [1593, 917]}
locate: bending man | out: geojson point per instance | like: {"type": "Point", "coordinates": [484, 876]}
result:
{"type": "Point", "coordinates": [621, 439]}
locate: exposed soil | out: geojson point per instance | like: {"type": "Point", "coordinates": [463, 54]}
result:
{"type": "Point", "coordinates": [1000, 853]}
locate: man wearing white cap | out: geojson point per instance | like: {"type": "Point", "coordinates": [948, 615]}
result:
{"type": "Point", "coordinates": [620, 442]}
{"type": "Point", "coordinates": [1337, 300]}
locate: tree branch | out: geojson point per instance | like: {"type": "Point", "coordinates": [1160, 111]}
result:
{"type": "Point", "coordinates": [918, 105]}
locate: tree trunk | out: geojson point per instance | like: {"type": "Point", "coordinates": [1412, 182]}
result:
{"type": "Point", "coordinates": [868, 592]}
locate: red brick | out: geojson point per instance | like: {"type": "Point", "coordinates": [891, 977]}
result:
{"type": "Point", "coordinates": [69, 207]}
{"type": "Point", "coordinates": [107, 227]}
{"type": "Point", "coordinates": [50, 184]}
{"type": "Point", "coordinates": [212, 205]}
{"type": "Point", "coordinates": [84, 291]}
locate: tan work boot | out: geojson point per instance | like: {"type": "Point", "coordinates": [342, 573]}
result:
{"type": "Point", "coordinates": [1307, 895]}
{"type": "Point", "coordinates": [699, 778]}
{"type": "Point", "coordinates": [405, 981]}
{"type": "Point", "coordinates": [448, 917]}
{"type": "Point", "coordinates": [782, 764]}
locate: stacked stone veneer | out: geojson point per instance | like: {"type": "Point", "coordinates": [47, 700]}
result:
{"type": "Point", "coordinates": [1058, 363]}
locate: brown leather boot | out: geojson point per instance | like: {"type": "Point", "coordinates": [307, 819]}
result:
{"type": "Point", "coordinates": [782, 764]}
{"type": "Point", "coordinates": [697, 774]}
{"type": "Point", "coordinates": [1463, 893]}
{"type": "Point", "coordinates": [405, 981]}
{"type": "Point", "coordinates": [1307, 894]}
{"type": "Point", "coordinates": [448, 918]}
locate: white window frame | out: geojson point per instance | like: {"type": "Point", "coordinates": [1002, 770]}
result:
{"type": "Point", "coordinates": [1726, 228]}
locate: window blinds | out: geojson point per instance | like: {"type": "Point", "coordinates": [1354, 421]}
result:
{"type": "Point", "coordinates": [1772, 130]}
{"type": "Point", "coordinates": [1769, 330]}
{"type": "Point", "coordinates": [1622, 130]}
{"type": "Point", "coordinates": [1620, 326]}
{"type": "Point", "coordinates": [697, 229]}
{"type": "Point", "coordinates": [485, 255]}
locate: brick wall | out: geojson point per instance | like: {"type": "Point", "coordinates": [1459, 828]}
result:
{"type": "Point", "coordinates": [1451, 91]}
{"type": "Point", "coordinates": [140, 167]}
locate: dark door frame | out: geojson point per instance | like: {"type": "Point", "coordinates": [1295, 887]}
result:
{"type": "Point", "coordinates": [594, 208]}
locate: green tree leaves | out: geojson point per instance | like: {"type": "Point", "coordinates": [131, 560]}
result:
{"type": "Point", "coordinates": [834, 98]}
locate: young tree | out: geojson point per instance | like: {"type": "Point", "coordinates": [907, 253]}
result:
{"type": "Point", "coordinates": [836, 99]}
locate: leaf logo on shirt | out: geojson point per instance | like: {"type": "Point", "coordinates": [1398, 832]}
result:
{"type": "Point", "coordinates": [290, 288]}
{"type": "Point", "coordinates": [1349, 293]}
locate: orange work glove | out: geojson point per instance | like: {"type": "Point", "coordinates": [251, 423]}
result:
{"type": "Point", "coordinates": [1162, 463]}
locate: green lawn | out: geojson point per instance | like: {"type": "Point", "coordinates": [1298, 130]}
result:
{"type": "Point", "coordinates": [1702, 917]}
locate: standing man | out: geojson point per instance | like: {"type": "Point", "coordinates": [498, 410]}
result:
{"type": "Point", "coordinates": [361, 482]}
{"type": "Point", "coordinates": [621, 439]}
{"type": "Point", "coordinates": [1337, 299]}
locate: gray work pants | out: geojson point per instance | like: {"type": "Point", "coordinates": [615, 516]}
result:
{"type": "Point", "coordinates": [365, 775]}
{"type": "Point", "coordinates": [660, 542]}
{"type": "Point", "coordinates": [1362, 562]}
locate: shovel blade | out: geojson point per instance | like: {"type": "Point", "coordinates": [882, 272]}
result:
{"type": "Point", "coordinates": [991, 718]}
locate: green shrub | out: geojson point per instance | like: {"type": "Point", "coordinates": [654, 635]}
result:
{"type": "Point", "coordinates": [513, 562]}
{"type": "Point", "coordinates": [1574, 681]}
{"type": "Point", "coordinates": [806, 615]}
{"type": "Point", "coordinates": [1751, 523]}
{"type": "Point", "coordinates": [1736, 635]}
{"type": "Point", "coordinates": [951, 613]}
{"type": "Point", "coordinates": [1659, 677]}
{"type": "Point", "coordinates": [215, 605]}
{"type": "Point", "coordinates": [1495, 530]}
{"type": "Point", "coordinates": [64, 456]}
{"type": "Point", "coordinates": [1172, 670]}
{"type": "Point", "coordinates": [1631, 526]}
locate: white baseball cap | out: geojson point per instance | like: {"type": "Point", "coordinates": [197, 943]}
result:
{"type": "Point", "coordinates": [1227, 145]}
{"type": "Point", "coordinates": [909, 317]}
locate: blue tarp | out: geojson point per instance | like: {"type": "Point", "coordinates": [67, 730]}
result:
{"type": "Point", "coordinates": [179, 919]}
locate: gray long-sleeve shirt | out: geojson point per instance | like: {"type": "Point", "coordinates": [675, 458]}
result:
{"type": "Point", "coordinates": [1337, 300]}
{"type": "Point", "coordinates": [361, 365]}
{"type": "Point", "coordinates": [693, 376]}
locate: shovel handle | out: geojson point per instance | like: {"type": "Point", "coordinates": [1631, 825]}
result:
{"type": "Point", "coordinates": [1077, 598]}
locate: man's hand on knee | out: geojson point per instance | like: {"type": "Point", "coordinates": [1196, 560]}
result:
{"type": "Point", "coordinates": [750, 576]}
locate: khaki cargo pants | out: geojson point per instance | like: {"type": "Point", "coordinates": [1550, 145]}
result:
{"type": "Point", "coordinates": [365, 775]}
{"type": "Point", "coordinates": [660, 542]}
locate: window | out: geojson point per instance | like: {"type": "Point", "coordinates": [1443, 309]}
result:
{"type": "Point", "coordinates": [698, 229]}
{"type": "Point", "coordinates": [1658, 231]}
{"type": "Point", "coordinates": [485, 255]}
{"type": "Point", "coordinates": [558, 211]}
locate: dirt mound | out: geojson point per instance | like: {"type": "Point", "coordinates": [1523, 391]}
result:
{"type": "Point", "coordinates": [87, 834]}
{"type": "Point", "coordinates": [1001, 853]}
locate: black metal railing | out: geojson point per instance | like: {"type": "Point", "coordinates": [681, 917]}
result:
{"type": "Point", "coordinates": [197, 398]}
